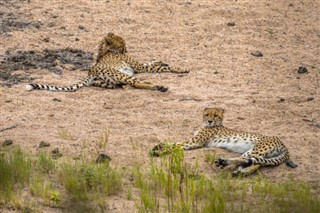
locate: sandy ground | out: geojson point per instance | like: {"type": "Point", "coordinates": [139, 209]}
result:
{"type": "Point", "coordinates": [265, 94]}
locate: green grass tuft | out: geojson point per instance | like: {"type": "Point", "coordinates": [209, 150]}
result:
{"type": "Point", "coordinates": [84, 181]}
{"type": "Point", "coordinates": [45, 163]}
{"type": "Point", "coordinates": [15, 173]}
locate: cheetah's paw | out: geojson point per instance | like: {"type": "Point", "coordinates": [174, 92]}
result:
{"type": "Point", "coordinates": [221, 163]}
{"type": "Point", "coordinates": [162, 88]}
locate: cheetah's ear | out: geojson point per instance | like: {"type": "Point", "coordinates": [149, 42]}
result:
{"type": "Point", "coordinates": [222, 110]}
{"type": "Point", "coordinates": [110, 34]}
{"type": "Point", "coordinates": [206, 109]}
{"type": "Point", "coordinates": [108, 40]}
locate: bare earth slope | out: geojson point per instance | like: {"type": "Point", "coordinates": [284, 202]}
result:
{"type": "Point", "coordinates": [265, 94]}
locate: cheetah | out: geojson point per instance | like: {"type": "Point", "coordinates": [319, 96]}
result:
{"type": "Point", "coordinates": [114, 68]}
{"type": "Point", "coordinates": [257, 150]}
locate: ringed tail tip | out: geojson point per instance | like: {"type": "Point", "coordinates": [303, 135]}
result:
{"type": "Point", "coordinates": [29, 87]}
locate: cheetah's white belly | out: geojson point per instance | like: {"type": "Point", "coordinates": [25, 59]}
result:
{"type": "Point", "coordinates": [231, 144]}
{"type": "Point", "coordinates": [125, 69]}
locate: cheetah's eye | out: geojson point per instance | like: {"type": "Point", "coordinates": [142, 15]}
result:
{"type": "Point", "coordinates": [216, 116]}
{"type": "Point", "coordinates": [206, 115]}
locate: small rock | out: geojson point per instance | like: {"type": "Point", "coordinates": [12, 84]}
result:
{"type": "Point", "coordinates": [69, 66]}
{"type": "Point", "coordinates": [103, 158]}
{"type": "Point", "coordinates": [37, 25]}
{"type": "Point", "coordinates": [310, 98]}
{"type": "Point", "coordinates": [281, 100]}
{"type": "Point", "coordinates": [44, 144]}
{"type": "Point", "coordinates": [55, 154]}
{"type": "Point", "coordinates": [77, 39]}
{"type": "Point", "coordinates": [7, 142]}
{"type": "Point", "coordinates": [56, 99]}
{"type": "Point", "coordinates": [56, 62]}
{"type": "Point", "coordinates": [46, 39]}
{"type": "Point", "coordinates": [51, 24]}
{"type": "Point", "coordinates": [241, 118]}
{"type": "Point", "coordinates": [58, 69]}
{"type": "Point", "coordinates": [302, 70]}
{"type": "Point", "coordinates": [257, 54]}
{"type": "Point", "coordinates": [231, 24]}
{"type": "Point", "coordinates": [186, 3]}
{"type": "Point", "coordinates": [81, 27]}
{"type": "Point", "coordinates": [307, 120]}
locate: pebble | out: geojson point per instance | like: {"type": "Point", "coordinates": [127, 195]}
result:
{"type": "Point", "coordinates": [231, 24]}
{"type": "Point", "coordinates": [44, 144]}
{"type": "Point", "coordinates": [56, 99]}
{"type": "Point", "coordinates": [302, 70]}
{"type": "Point", "coordinates": [55, 154]}
{"type": "Point", "coordinates": [103, 158]}
{"type": "Point", "coordinates": [7, 142]}
{"type": "Point", "coordinates": [46, 39]}
{"type": "Point", "coordinates": [257, 54]}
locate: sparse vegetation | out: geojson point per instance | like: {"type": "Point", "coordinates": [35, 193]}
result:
{"type": "Point", "coordinates": [168, 184]}
{"type": "Point", "coordinates": [87, 181]}
{"type": "Point", "coordinates": [45, 163]}
{"type": "Point", "coordinates": [210, 158]}
{"type": "Point", "coordinates": [42, 176]}
{"type": "Point", "coordinates": [103, 140]}
{"type": "Point", "coordinates": [42, 187]}
{"type": "Point", "coordinates": [15, 172]}
{"type": "Point", "coordinates": [64, 134]}
{"type": "Point", "coordinates": [271, 31]}
{"type": "Point", "coordinates": [174, 186]}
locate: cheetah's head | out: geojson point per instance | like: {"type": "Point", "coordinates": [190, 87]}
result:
{"type": "Point", "coordinates": [111, 44]}
{"type": "Point", "coordinates": [213, 117]}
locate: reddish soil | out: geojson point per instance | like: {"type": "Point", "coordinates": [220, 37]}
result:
{"type": "Point", "coordinates": [264, 94]}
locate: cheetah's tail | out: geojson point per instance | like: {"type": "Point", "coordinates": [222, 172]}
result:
{"type": "Point", "coordinates": [291, 164]}
{"type": "Point", "coordinates": [87, 82]}
{"type": "Point", "coordinates": [274, 161]}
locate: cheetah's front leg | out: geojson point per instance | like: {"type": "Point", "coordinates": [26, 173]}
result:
{"type": "Point", "coordinates": [156, 67]}
{"type": "Point", "coordinates": [148, 85]}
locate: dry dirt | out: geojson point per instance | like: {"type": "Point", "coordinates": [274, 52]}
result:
{"type": "Point", "coordinates": [54, 42]}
